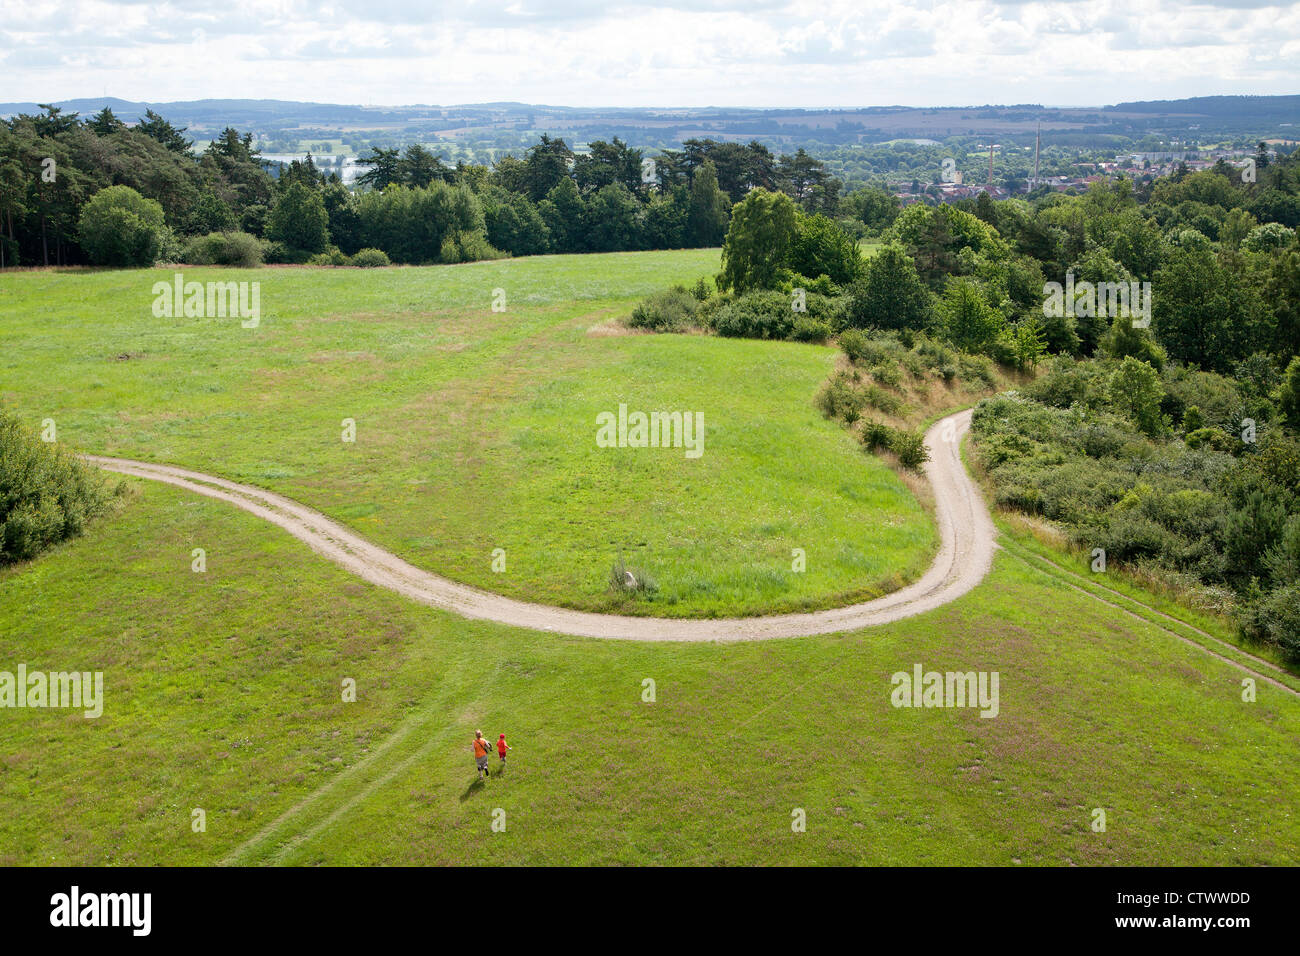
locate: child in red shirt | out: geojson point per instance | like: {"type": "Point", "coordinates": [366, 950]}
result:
{"type": "Point", "coordinates": [502, 747]}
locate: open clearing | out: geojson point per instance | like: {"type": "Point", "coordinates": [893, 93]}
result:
{"type": "Point", "coordinates": [223, 692]}
{"type": "Point", "coordinates": [476, 430]}
{"type": "Point", "coordinates": [223, 689]}
{"type": "Point", "coordinates": [964, 558]}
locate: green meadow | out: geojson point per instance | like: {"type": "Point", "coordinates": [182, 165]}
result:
{"type": "Point", "coordinates": [223, 693]}
{"type": "Point", "coordinates": [224, 690]}
{"type": "Point", "coordinates": [476, 430]}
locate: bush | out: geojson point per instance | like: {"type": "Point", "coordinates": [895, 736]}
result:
{"type": "Point", "coordinates": [333, 256]}
{"type": "Point", "coordinates": [1274, 617]}
{"type": "Point", "coordinates": [976, 368]}
{"type": "Point", "coordinates": [1213, 438]}
{"type": "Point", "coordinates": [1268, 237]}
{"type": "Point", "coordinates": [876, 435]}
{"type": "Point", "coordinates": [808, 329]}
{"type": "Point", "coordinates": [278, 253]}
{"type": "Point", "coordinates": [1135, 388]}
{"type": "Point", "coordinates": [887, 374]}
{"type": "Point", "coordinates": [224, 249]}
{"type": "Point", "coordinates": [756, 315]}
{"type": "Point", "coordinates": [862, 349]}
{"type": "Point", "coordinates": [887, 402]}
{"type": "Point", "coordinates": [466, 246]}
{"type": "Point", "coordinates": [119, 227]}
{"type": "Point", "coordinates": [670, 311]}
{"type": "Point", "coordinates": [909, 447]}
{"type": "Point", "coordinates": [820, 247]}
{"type": "Point", "coordinates": [839, 399]}
{"type": "Point", "coordinates": [371, 259]}
{"type": "Point", "coordinates": [46, 495]}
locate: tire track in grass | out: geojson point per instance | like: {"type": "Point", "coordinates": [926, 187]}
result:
{"type": "Point", "coordinates": [1067, 578]}
{"type": "Point", "coordinates": [253, 849]}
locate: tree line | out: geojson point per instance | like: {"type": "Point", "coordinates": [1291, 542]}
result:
{"type": "Point", "coordinates": [103, 192]}
{"type": "Point", "coordinates": [1165, 430]}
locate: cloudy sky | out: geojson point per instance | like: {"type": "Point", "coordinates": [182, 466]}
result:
{"type": "Point", "coordinates": [678, 53]}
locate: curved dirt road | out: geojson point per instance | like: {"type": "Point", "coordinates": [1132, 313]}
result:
{"type": "Point", "coordinates": [965, 556]}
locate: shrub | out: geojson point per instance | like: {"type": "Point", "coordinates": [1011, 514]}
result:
{"type": "Point", "coordinates": [887, 402]}
{"type": "Point", "coordinates": [119, 227]}
{"type": "Point", "coordinates": [1135, 388]}
{"type": "Point", "coordinates": [1067, 383]}
{"type": "Point", "coordinates": [976, 368]}
{"type": "Point", "coordinates": [1268, 237]}
{"type": "Point", "coordinates": [854, 345]}
{"type": "Point", "coordinates": [820, 247]}
{"type": "Point", "coordinates": [224, 249]}
{"type": "Point", "coordinates": [887, 374]}
{"type": "Point", "coordinates": [822, 285]}
{"type": "Point", "coordinates": [333, 256]}
{"type": "Point", "coordinates": [909, 447]}
{"type": "Point", "coordinates": [467, 246]}
{"type": "Point", "coordinates": [808, 329]}
{"type": "Point", "coordinates": [46, 495]}
{"type": "Point", "coordinates": [371, 259]}
{"type": "Point", "coordinates": [875, 435]}
{"type": "Point", "coordinates": [1214, 438]}
{"type": "Point", "coordinates": [863, 349]}
{"type": "Point", "coordinates": [966, 318]}
{"type": "Point", "coordinates": [839, 399]}
{"type": "Point", "coordinates": [756, 315]}
{"type": "Point", "coordinates": [1274, 617]}
{"type": "Point", "coordinates": [279, 253]}
{"type": "Point", "coordinates": [670, 311]}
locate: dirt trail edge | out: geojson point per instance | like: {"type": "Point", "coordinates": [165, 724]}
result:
{"type": "Point", "coordinates": [965, 556]}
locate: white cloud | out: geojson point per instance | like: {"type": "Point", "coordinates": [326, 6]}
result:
{"type": "Point", "coordinates": [634, 53]}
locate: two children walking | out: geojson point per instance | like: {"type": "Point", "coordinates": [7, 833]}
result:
{"type": "Point", "coordinates": [483, 751]}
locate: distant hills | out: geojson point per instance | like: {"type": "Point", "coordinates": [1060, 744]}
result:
{"type": "Point", "coordinates": [506, 124]}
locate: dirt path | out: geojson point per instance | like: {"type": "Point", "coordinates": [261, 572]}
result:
{"type": "Point", "coordinates": [965, 556]}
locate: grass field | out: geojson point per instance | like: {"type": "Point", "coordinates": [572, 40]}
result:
{"type": "Point", "coordinates": [475, 430]}
{"type": "Point", "coordinates": [223, 693]}
{"type": "Point", "coordinates": [224, 688]}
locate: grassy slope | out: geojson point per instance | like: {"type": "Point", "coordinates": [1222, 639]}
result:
{"type": "Point", "coordinates": [223, 693]}
{"type": "Point", "coordinates": [476, 430]}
